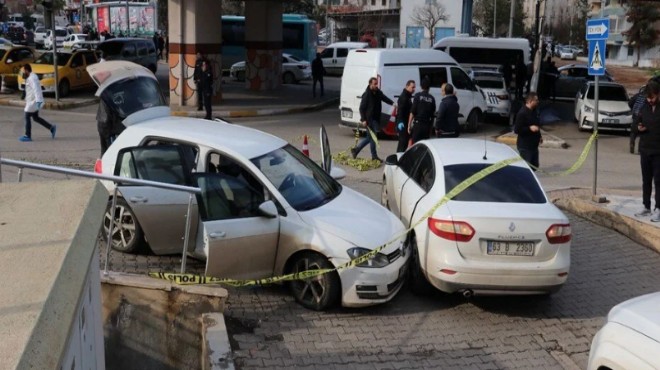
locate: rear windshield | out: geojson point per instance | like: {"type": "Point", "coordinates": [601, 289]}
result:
{"type": "Point", "coordinates": [612, 93]}
{"type": "Point", "coordinates": [490, 84]}
{"type": "Point", "coordinates": [111, 48]}
{"type": "Point", "coordinates": [508, 185]}
{"type": "Point", "coordinates": [128, 96]}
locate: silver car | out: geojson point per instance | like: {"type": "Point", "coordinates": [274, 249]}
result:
{"type": "Point", "coordinates": [294, 70]}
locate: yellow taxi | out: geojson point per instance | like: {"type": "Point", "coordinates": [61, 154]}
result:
{"type": "Point", "coordinates": [12, 59]}
{"type": "Point", "coordinates": [71, 71]}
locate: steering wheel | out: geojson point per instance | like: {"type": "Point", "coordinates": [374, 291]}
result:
{"type": "Point", "coordinates": [288, 182]}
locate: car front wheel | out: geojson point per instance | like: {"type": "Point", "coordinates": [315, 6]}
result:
{"type": "Point", "coordinates": [318, 292]}
{"type": "Point", "coordinates": [472, 124]}
{"type": "Point", "coordinates": [127, 235]}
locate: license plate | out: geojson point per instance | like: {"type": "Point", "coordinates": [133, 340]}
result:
{"type": "Point", "coordinates": [347, 114]}
{"type": "Point", "coordinates": [610, 120]}
{"type": "Point", "coordinates": [510, 248]}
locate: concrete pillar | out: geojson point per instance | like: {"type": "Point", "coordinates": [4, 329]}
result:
{"type": "Point", "coordinates": [194, 26]}
{"type": "Point", "coordinates": [466, 19]}
{"type": "Point", "coordinates": [263, 44]}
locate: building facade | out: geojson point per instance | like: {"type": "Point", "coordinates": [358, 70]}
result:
{"type": "Point", "coordinates": [415, 35]}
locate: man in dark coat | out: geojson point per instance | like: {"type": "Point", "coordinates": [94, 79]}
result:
{"type": "Point", "coordinates": [108, 122]}
{"type": "Point", "coordinates": [318, 70]}
{"type": "Point", "coordinates": [529, 131]}
{"type": "Point", "coordinates": [206, 87]}
{"type": "Point", "coordinates": [197, 75]}
{"type": "Point", "coordinates": [160, 46]}
{"type": "Point", "coordinates": [446, 118]}
{"type": "Point", "coordinates": [370, 111]}
{"type": "Point", "coordinates": [421, 113]}
{"type": "Point", "coordinates": [404, 104]}
{"type": "Point", "coordinates": [648, 126]}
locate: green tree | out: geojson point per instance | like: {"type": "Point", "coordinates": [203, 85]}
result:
{"type": "Point", "coordinates": [483, 16]}
{"type": "Point", "coordinates": [642, 33]}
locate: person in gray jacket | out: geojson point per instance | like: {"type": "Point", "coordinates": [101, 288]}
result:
{"type": "Point", "coordinates": [446, 118]}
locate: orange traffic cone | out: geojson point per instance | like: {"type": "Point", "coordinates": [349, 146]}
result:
{"type": "Point", "coordinates": [305, 148]}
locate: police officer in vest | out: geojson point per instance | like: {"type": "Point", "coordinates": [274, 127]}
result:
{"type": "Point", "coordinates": [422, 113]}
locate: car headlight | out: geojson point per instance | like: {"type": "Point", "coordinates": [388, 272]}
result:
{"type": "Point", "coordinates": [588, 109]}
{"type": "Point", "coordinates": [379, 260]}
{"type": "Point", "coordinates": [49, 75]}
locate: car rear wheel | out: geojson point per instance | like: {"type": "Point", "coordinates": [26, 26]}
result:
{"type": "Point", "coordinates": [64, 88]}
{"type": "Point", "coordinates": [318, 292]}
{"type": "Point", "coordinates": [418, 282]}
{"type": "Point", "coordinates": [288, 78]}
{"type": "Point", "coordinates": [472, 123]}
{"type": "Point", "coordinates": [127, 235]}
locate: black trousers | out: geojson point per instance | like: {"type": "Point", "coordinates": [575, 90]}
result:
{"type": "Point", "coordinates": [200, 99]}
{"type": "Point", "coordinates": [530, 156]}
{"type": "Point", "coordinates": [633, 134]}
{"type": "Point", "coordinates": [320, 81]}
{"type": "Point", "coordinates": [650, 175]}
{"type": "Point", "coordinates": [421, 131]}
{"type": "Point", "coordinates": [404, 137]}
{"type": "Point", "coordinates": [207, 105]}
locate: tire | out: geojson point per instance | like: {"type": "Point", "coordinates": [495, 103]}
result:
{"type": "Point", "coordinates": [127, 235]}
{"type": "Point", "coordinates": [419, 285]}
{"type": "Point", "coordinates": [240, 76]}
{"type": "Point", "coordinates": [384, 201]}
{"type": "Point", "coordinates": [64, 88]}
{"type": "Point", "coordinates": [288, 78]}
{"type": "Point", "coordinates": [316, 293]}
{"type": "Point", "coordinates": [472, 122]}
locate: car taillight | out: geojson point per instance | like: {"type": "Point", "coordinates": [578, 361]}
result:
{"type": "Point", "coordinates": [503, 97]}
{"type": "Point", "coordinates": [559, 233]}
{"type": "Point", "coordinates": [451, 230]}
{"type": "Point", "coordinates": [98, 166]}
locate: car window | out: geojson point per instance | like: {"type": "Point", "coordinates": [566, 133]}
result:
{"type": "Point", "coordinates": [190, 152]}
{"type": "Point", "coordinates": [77, 61]}
{"type": "Point", "coordinates": [342, 53]}
{"type": "Point", "coordinates": [613, 93]}
{"type": "Point", "coordinates": [47, 58]}
{"type": "Point", "coordinates": [490, 83]}
{"type": "Point", "coordinates": [424, 174]}
{"type": "Point", "coordinates": [461, 80]}
{"type": "Point", "coordinates": [142, 48]}
{"type": "Point", "coordinates": [510, 184]}
{"type": "Point", "coordinates": [293, 58]}
{"type": "Point", "coordinates": [437, 75]}
{"type": "Point", "coordinates": [90, 58]}
{"type": "Point", "coordinates": [327, 53]}
{"type": "Point", "coordinates": [285, 60]}
{"type": "Point", "coordinates": [579, 72]}
{"type": "Point", "coordinates": [410, 158]}
{"type": "Point", "coordinates": [151, 48]}
{"type": "Point", "coordinates": [128, 51]}
{"type": "Point", "coordinates": [155, 163]}
{"type": "Point", "coordinates": [110, 48]}
{"type": "Point", "coordinates": [583, 90]}
{"type": "Point", "coordinates": [61, 33]}
{"type": "Point", "coordinates": [133, 94]}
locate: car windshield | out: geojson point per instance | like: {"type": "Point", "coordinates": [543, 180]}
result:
{"type": "Point", "coordinates": [489, 83]}
{"type": "Point", "coordinates": [47, 58]}
{"type": "Point", "coordinates": [130, 95]}
{"type": "Point", "coordinates": [301, 182]}
{"type": "Point", "coordinates": [293, 58]}
{"type": "Point", "coordinates": [510, 184]}
{"type": "Point", "coordinates": [2, 53]}
{"type": "Point", "coordinates": [61, 33]}
{"type": "Point", "coordinates": [612, 93]}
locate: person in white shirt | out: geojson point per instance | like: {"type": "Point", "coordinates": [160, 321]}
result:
{"type": "Point", "coordinates": [34, 100]}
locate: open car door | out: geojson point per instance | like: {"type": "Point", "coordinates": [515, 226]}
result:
{"type": "Point", "coordinates": [326, 157]}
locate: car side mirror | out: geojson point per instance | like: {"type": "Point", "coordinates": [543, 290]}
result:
{"type": "Point", "coordinates": [268, 209]}
{"type": "Point", "coordinates": [337, 173]}
{"type": "Point", "coordinates": [392, 160]}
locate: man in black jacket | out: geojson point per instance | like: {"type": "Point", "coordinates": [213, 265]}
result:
{"type": "Point", "coordinates": [404, 104]}
{"type": "Point", "coordinates": [421, 113]}
{"type": "Point", "coordinates": [108, 121]}
{"type": "Point", "coordinates": [446, 118]}
{"type": "Point", "coordinates": [206, 87]}
{"type": "Point", "coordinates": [529, 131]}
{"type": "Point", "coordinates": [370, 111]}
{"type": "Point", "coordinates": [318, 70]}
{"type": "Point", "coordinates": [197, 75]}
{"type": "Point", "coordinates": [648, 126]}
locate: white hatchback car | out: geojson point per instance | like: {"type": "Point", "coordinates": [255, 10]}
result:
{"type": "Point", "coordinates": [493, 85]}
{"type": "Point", "coordinates": [567, 53]}
{"type": "Point", "coordinates": [265, 209]}
{"type": "Point", "coordinates": [630, 339]}
{"type": "Point", "coordinates": [613, 110]}
{"type": "Point", "coordinates": [293, 70]}
{"type": "Point", "coordinates": [499, 236]}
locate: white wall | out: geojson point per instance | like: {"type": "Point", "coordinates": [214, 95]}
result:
{"type": "Point", "coordinates": [453, 8]}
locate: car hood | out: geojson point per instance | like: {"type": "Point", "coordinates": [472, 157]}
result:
{"type": "Point", "coordinates": [609, 105]}
{"type": "Point", "coordinates": [641, 314]}
{"type": "Point", "coordinates": [356, 219]}
{"type": "Point", "coordinates": [44, 68]}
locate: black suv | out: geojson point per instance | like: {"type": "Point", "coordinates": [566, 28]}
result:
{"type": "Point", "coordinates": [16, 35]}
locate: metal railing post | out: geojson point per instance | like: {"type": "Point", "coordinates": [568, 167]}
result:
{"type": "Point", "coordinates": [0, 167]}
{"type": "Point", "coordinates": [20, 174]}
{"type": "Point", "coordinates": [184, 255]}
{"type": "Point", "coordinates": [110, 229]}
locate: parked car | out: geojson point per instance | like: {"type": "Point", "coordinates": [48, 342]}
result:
{"type": "Point", "coordinates": [16, 35]}
{"type": "Point", "coordinates": [294, 70]}
{"type": "Point", "coordinates": [579, 51]}
{"type": "Point", "coordinates": [265, 209]}
{"type": "Point", "coordinates": [139, 51]}
{"type": "Point", "coordinates": [40, 36]}
{"type": "Point", "coordinates": [74, 40]}
{"type": "Point", "coordinates": [12, 59]}
{"type": "Point", "coordinates": [493, 86]}
{"type": "Point", "coordinates": [60, 35]}
{"type": "Point", "coordinates": [567, 53]}
{"type": "Point", "coordinates": [501, 235]}
{"type": "Point", "coordinates": [334, 55]}
{"type": "Point", "coordinates": [630, 339]}
{"type": "Point", "coordinates": [613, 110]}
{"type": "Point", "coordinates": [572, 77]}
{"type": "Point", "coordinates": [72, 72]}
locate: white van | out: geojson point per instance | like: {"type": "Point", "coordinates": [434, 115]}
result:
{"type": "Point", "coordinates": [487, 52]}
{"type": "Point", "coordinates": [393, 68]}
{"type": "Point", "coordinates": [334, 55]}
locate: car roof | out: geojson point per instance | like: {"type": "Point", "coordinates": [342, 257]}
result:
{"type": "Point", "coordinates": [348, 44]}
{"type": "Point", "coordinates": [461, 151]}
{"type": "Point", "coordinates": [245, 141]}
{"type": "Point", "coordinates": [604, 83]}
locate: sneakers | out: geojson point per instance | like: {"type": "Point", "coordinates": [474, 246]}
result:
{"type": "Point", "coordinates": [354, 153]}
{"type": "Point", "coordinates": [25, 139]}
{"type": "Point", "coordinates": [53, 131]}
{"type": "Point", "coordinates": [644, 213]}
{"type": "Point", "coordinates": [656, 215]}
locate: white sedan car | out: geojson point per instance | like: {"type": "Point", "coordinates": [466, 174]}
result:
{"type": "Point", "coordinates": [294, 70]}
{"type": "Point", "coordinates": [613, 110]}
{"type": "Point", "coordinates": [494, 87]}
{"type": "Point", "coordinates": [499, 236]}
{"type": "Point", "coordinates": [74, 40]}
{"type": "Point", "coordinates": [265, 209]}
{"type": "Point", "coordinates": [567, 53]}
{"type": "Point", "coordinates": [630, 339]}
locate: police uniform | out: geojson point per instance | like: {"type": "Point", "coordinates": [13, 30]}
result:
{"type": "Point", "coordinates": [423, 111]}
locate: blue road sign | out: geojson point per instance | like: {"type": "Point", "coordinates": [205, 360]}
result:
{"type": "Point", "coordinates": [596, 61]}
{"type": "Point", "coordinates": [598, 29]}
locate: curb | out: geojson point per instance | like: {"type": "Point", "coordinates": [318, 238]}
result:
{"type": "Point", "coordinates": [51, 105]}
{"type": "Point", "coordinates": [549, 141]}
{"type": "Point", "coordinates": [258, 112]}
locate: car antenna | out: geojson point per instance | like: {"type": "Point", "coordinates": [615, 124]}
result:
{"type": "Point", "coordinates": [485, 149]}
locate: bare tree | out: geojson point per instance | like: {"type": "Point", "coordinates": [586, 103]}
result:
{"type": "Point", "coordinates": [429, 16]}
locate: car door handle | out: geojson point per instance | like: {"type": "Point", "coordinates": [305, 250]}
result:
{"type": "Point", "coordinates": [138, 199]}
{"type": "Point", "coordinates": [217, 235]}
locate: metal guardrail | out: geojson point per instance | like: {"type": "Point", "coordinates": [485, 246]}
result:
{"type": "Point", "coordinates": [115, 179]}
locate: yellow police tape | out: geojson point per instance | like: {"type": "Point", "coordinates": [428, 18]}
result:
{"type": "Point", "coordinates": [577, 164]}
{"type": "Point", "coordinates": [190, 279]}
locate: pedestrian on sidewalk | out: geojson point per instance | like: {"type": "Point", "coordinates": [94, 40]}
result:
{"type": "Point", "coordinates": [636, 103]}
{"type": "Point", "coordinates": [404, 105]}
{"type": "Point", "coordinates": [206, 87]}
{"type": "Point", "coordinates": [370, 110]}
{"type": "Point", "coordinates": [34, 100]}
{"type": "Point", "coordinates": [161, 46]}
{"type": "Point", "coordinates": [318, 70]}
{"type": "Point", "coordinates": [529, 131]}
{"type": "Point", "coordinates": [422, 113]}
{"type": "Point", "coordinates": [648, 125]}
{"type": "Point", "coordinates": [446, 118]}
{"type": "Point", "coordinates": [197, 75]}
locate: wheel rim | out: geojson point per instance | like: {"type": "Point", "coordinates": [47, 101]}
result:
{"type": "Point", "coordinates": [309, 291]}
{"type": "Point", "coordinates": [123, 231]}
